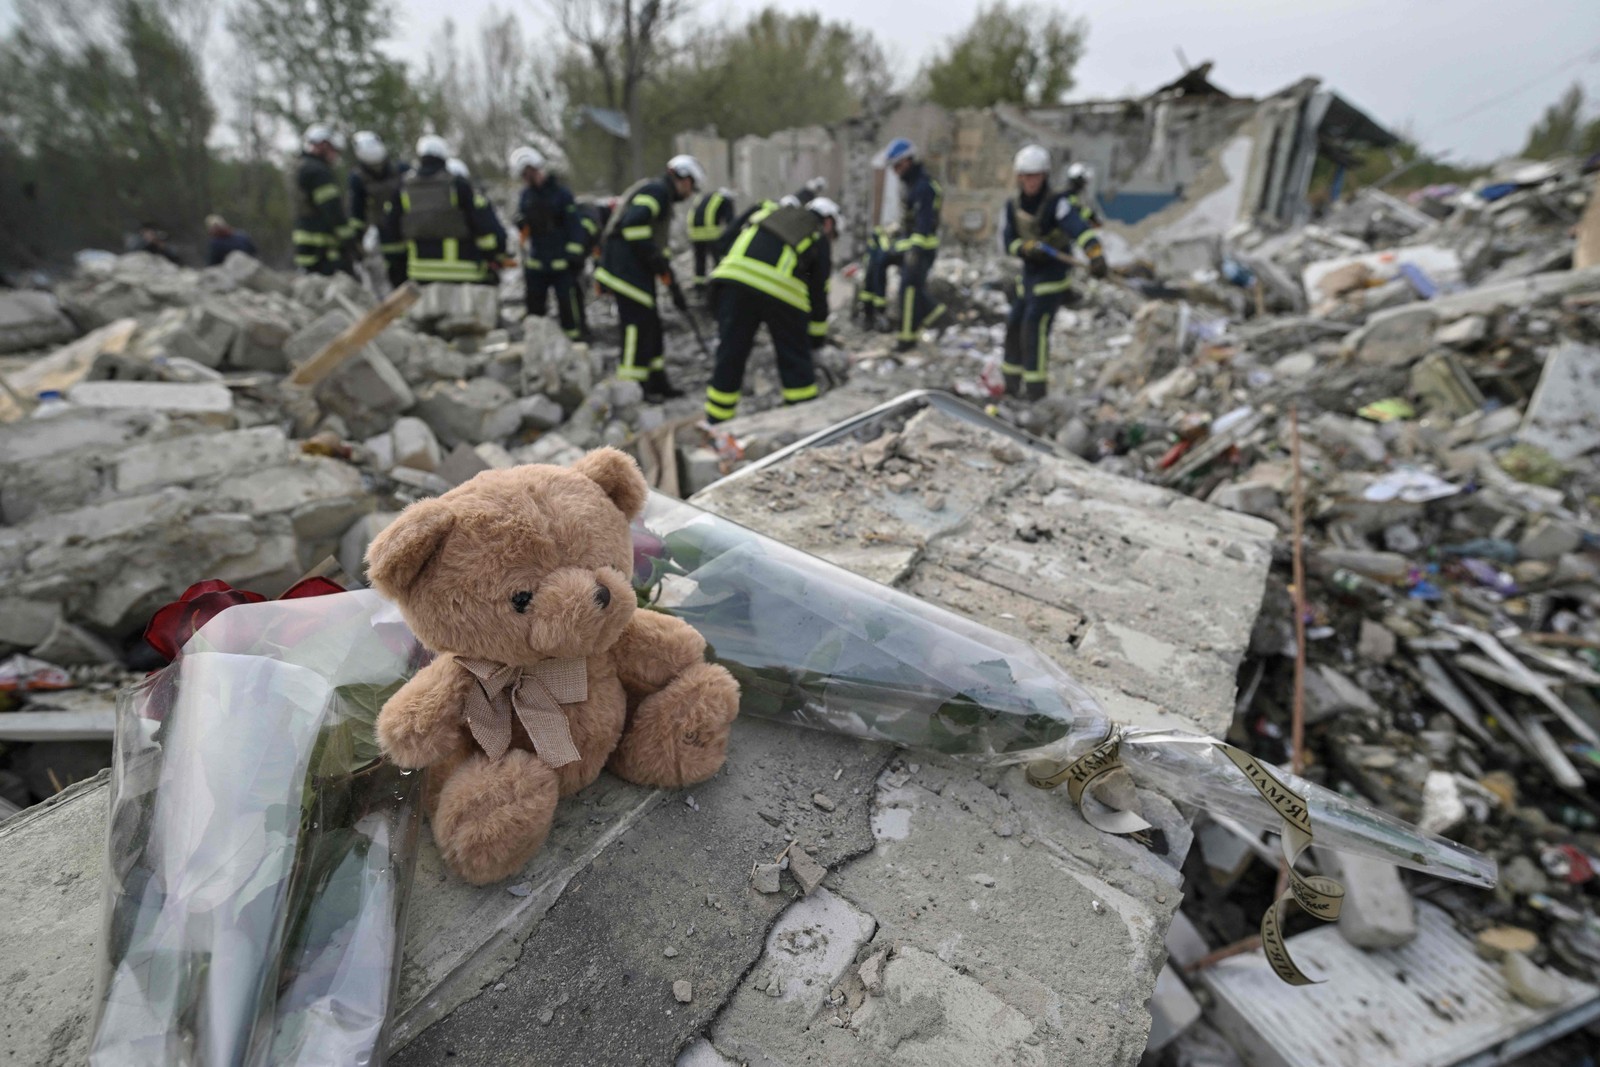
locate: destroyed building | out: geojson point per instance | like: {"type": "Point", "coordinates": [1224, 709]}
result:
{"type": "Point", "coordinates": [1433, 364]}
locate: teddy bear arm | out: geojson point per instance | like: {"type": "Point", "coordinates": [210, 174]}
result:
{"type": "Point", "coordinates": [421, 723]}
{"type": "Point", "coordinates": [655, 649]}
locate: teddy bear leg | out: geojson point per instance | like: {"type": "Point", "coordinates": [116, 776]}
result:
{"type": "Point", "coordinates": [679, 735]}
{"type": "Point", "coordinates": [492, 817]}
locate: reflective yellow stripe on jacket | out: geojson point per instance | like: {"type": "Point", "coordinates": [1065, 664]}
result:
{"type": "Point", "coordinates": [774, 280]}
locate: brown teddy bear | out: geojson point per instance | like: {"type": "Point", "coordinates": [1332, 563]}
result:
{"type": "Point", "coordinates": [519, 580]}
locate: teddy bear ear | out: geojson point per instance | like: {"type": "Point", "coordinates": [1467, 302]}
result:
{"type": "Point", "coordinates": [619, 476]}
{"type": "Point", "coordinates": [397, 555]}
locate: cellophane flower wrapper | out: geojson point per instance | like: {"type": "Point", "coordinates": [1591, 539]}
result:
{"type": "Point", "coordinates": [815, 645]}
{"type": "Point", "coordinates": [260, 852]}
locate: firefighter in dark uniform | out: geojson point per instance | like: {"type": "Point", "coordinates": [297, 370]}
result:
{"type": "Point", "coordinates": [708, 220]}
{"type": "Point", "coordinates": [776, 272]}
{"type": "Point", "coordinates": [811, 190]}
{"type": "Point", "coordinates": [552, 241]}
{"type": "Point", "coordinates": [917, 242]}
{"type": "Point", "coordinates": [1042, 227]}
{"type": "Point", "coordinates": [374, 183]}
{"type": "Point", "coordinates": [484, 221]}
{"type": "Point", "coordinates": [324, 236]}
{"type": "Point", "coordinates": [591, 217]}
{"type": "Point", "coordinates": [633, 254]}
{"type": "Point", "coordinates": [1077, 188]}
{"type": "Point", "coordinates": [442, 218]}
{"type": "Point", "coordinates": [871, 300]}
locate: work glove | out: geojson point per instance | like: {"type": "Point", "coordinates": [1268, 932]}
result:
{"type": "Point", "coordinates": [1097, 267]}
{"type": "Point", "coordinates": [1033, 252]}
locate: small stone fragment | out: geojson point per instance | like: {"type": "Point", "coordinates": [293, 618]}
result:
{"type": "Point", "coordinates": [521, 889]}
{"type": "Point", "coordinates": [806, 870]}
{"type": "Point", "coordinates": [822, 801]}
{"type": "Point", "coordinates": [1532, 984]}
{"type": "Point", "coordinates": [871, 972]}
{"type": "Point", "coordinates": [669, 952]}
{"type": "Point", "coordinates": [985, 880]}
{"type": "Point", "coordinates": [764, 878]}
{"type": "Point", "coordinates": [1499, 941]}
{"type": "Point", "coordinates": [546, 1016]}
{"type": "Point", "coordinates": [682, 991]}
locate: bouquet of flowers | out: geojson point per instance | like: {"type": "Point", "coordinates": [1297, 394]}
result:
{"type": "Point", "coordinates": [260, 852]}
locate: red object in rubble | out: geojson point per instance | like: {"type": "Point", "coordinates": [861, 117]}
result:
{"type": "Point", "coordinates": [171, 627]}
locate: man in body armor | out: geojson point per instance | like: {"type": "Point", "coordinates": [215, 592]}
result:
{"type": "Point", "coordinates": [442, 219]}
{"type": "Point", "coordinates": [708, 221]}
{"type": "Point", "coordinates": [633, 254]}
{"type": "Point", "coordinates": [775, 273]}
{"type": "Point", "coordinates": [1042, 227]}
{"type": "Point", "coordinates": [324, 237]}
{"type": "Point", "coordinates": [374, 183]}
{"type": "Point", "coordinates": [553, 241]}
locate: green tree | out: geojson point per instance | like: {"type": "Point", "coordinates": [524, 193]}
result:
{"type": "Point", "coordinates": [1562, 131]}
{"type": "Point", "coordinates": [109, 113]}
{"type": "Point", "coordinates": [322, 60]}
{"type": "Point", "coordinates": [1021, 54]}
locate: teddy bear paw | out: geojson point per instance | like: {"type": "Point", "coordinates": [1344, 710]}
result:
{"type": "Point", "coordinates": [679, 736]}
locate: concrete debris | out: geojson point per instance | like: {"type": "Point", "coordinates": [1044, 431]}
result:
{"type": "Point", "coordinates": [682, 991]}
{"type": "Point", "coordinates": [1532, 984]}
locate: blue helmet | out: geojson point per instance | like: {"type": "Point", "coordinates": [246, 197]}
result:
{"type": "Point", "coordinates": [899, 149]}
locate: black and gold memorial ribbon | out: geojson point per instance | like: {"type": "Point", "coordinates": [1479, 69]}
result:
{"type": "Point", "coordinates": [1319, 897]}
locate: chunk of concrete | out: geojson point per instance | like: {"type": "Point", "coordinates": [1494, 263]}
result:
{"type": "Point", "coordinates": [1173, 1009]}
{"type": "Point", "coordinates": [353, 545]}
{"type": "Point", "coordinates": [306, 482]}
{"type": "Point", "coordinates": [72, 646]}
{"type": "Point", "coordinates": [1532, 984]}
{"type": "Point", "coordinates": [468, 412]}
{"type": "Point", "coordinates": [457, 310]}
{"type": "Point", "coordinates": [461, 464]}
{"type": "Point", "coordinates": [1330, 693]}
{"type": "Point", "coordinates": [25, 623]}
{"type": "Point", "coordinates": [1563, 417]}
{"type": "Point", "coordinates": [539, 412]}
{"type": "Point", "coordinates": [32, 319]}
{"type": "Point", "coordinates": [197, 457]}
{"type": "Point", "coordinates": [1548, 538]}
{"type": "Point", "coordinates": [367, 392]}
{"type": "Point", "coordinates": [952, 1017]}
{"type": "Point", "coordinates": [1378, 911]}
{"type": "Point", "coordinates": [183, 398]}
{"type": "Point", "coordinates": [1394, 337]}
{"type": "Point", "coordinates": [1251, 498]}
{"type": "Point", "coordinates": [1469, 331]}
{"type": "Point", "coordinates": [414, 445]}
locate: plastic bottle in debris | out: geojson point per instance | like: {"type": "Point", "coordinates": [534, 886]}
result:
{"type": "Point", "coordinates": [51, 404]}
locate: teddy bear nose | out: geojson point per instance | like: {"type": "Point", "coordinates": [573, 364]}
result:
{"type": "Point", "coordinates": [602, 596]}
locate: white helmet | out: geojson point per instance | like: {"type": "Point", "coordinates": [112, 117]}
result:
{"type": "Point", "coordinates": [1079, 172]}
{"type": "Point", "coordinates": [457, 167]}
{"type": "Point", "coordinates": [788, 200]}
{"type": "Point", "coordinates": [687, 167]}
{"type": "Point", "coordinates": [431, 144]}
{"type": "Point", "coordinates": [321, 133]}
{"type": "Point", "coordinates": [1032, 159]}
{"type": "Point", "coordinates": [369, 148]}
{"type": "Point", "coordinates": [823, 207]}
{"type": "Point", "coordinates": [818, 184]}
{"type": "Point", "coordinates": [525, 157]}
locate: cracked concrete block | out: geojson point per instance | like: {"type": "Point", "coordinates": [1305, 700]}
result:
{"type": "Point", "coordinates": [702, 1053]}
{"type": "Point", "coordinates": [69, 646]}
{"type": "Point", "coordinates": [353, 545]}
{"type": "Point", "coordinates": [1173, 1009]}
{"type": "Point", "coordinates": [812, 944]}
{"type": "Point", "coordinates": [177, 398]}
{"type": "Point", "coordinates": [196, 457]}
{"type": "Point", "coordinates": [30, 319]}
{"type": "Point", "coordinates": [415, 445]}
{"type": "Point", "coordinates": [305, 480]}
{"type": "Point", "coordinates": [1378, 911]}
{"type": "Point", "coordinates": [468, 412]}
{"type": "Point", "coordinates": [1563, 416]}
{"type": "Point", "coordinates": [25, 623]}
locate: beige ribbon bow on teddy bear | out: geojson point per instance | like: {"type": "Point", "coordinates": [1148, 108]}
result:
{"type": "Point", "coordinates": [536, 694]}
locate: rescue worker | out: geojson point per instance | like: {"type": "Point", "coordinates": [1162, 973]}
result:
{"type": "Point", "coordinates": [633, 254]}
{"type": "Point", "coordinates": [224, 239]}
{"type": "Point", "coordinates": [153, 239]}
{"type": "Point", "coordinates": [485, 220]}
{"type": "Point", "coordinates": [448, 227]}
{"type": "Point", "coordinates": [708, 221]}
{"type": "Point", "coordinates": [1077, 187]}
{"type": "Point", "coordinates": [776, 272]}
{"type": "Point", "coordinates": [917, 243]}
{"type": "Point", "coordinates": [374, 183]}
{"type": "Point", "coordinates": [324, 236]}
{"type": "Point", "coordinates": [1042, 227]}
{"type": "Point", "coordinates": [552, 241]}
{"type": "Point", "coordinates": [871, 300]}
{"type": "Point", "coordinates": [591, 217]}
{"type": "Point", "coordinates": [811, 190]}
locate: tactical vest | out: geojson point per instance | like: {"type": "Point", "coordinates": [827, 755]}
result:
{"type": "Point", "coordinates": [1027, 226]}
{"type": "Point", "coordinates": [431, 212]}
{"type": "Point", "coordinates": [794, 226]}
{"type": "Point", "coordinates": [661, 228]}
{"type": "Point", "coordinates": [381, 191]}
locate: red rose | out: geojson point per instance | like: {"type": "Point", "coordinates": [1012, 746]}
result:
{"type": "Point", "coordinates": [171, 627]}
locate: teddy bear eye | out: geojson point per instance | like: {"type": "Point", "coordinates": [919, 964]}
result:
{"type": "Point", "coordinates": [521, 600]}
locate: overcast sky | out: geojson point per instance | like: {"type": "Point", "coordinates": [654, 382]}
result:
{"type": "Point", "coordinates": [1465, 76]}
{"type": "Point", "coordinates": [1448, 72]}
